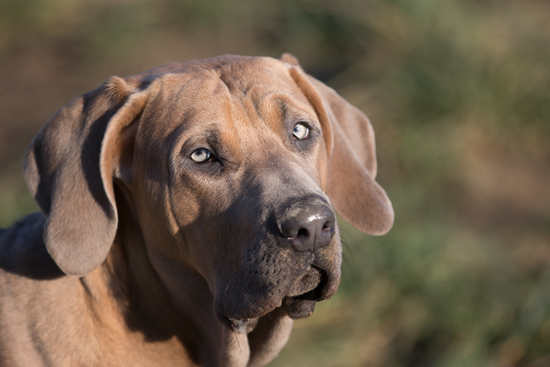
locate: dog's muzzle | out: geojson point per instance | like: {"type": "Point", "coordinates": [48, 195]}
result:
{"type": "Point", "coordinates": [307, 259]}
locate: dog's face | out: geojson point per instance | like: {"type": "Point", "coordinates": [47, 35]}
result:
{"type": "Point", "coordinates": [233, 165]}
{"type": "Point", "coordinates": [246, 165]}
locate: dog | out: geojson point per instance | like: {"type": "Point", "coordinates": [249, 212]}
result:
{"type": "Point", "coordinates": [187, 217]}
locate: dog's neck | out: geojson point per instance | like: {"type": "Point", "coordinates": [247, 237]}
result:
{"type": "Point", "coordinates": [168, 315]}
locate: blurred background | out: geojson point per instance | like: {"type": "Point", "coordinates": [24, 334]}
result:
{"type": "Point", "coordinates": [459, 96]}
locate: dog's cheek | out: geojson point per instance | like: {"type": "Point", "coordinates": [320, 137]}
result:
{"type": "Point", "coordinates": [259, 285]}
{"type": "Point", "coordinates": [242, 298]}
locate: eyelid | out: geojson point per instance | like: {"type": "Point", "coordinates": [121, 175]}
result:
{"type": "Point", "coordinates": [307, 123]}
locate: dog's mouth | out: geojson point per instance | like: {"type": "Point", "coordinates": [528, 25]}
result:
{"type": "Point", "coordinates": [308, 283]}
{"type": "Point", "coordinates": [306, 292]}
{"type": "Point", "coordinates": [299, 302]}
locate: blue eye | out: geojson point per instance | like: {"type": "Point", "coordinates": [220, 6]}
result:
{"type": "Point", "coordinates": [201, 155]}
{"type": "Point", "coordinates": [300, 131]}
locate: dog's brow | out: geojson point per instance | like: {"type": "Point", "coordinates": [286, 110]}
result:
{"type": "Point", "coordinates": [283, 107]}
{"type": "Point", "coordinates": [292, 109]}
{"type": "Point", "coordinates": [212, 136]}
{"type": "Point", "coordinates": [209, 134]}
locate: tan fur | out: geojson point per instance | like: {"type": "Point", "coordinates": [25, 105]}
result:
{"type": "Point", "coordinates": [143, 257]}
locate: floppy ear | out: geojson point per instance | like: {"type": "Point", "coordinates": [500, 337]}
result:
{"type": "Point", "coordinates": [349, 139]}
{"type": "Point", "coordinates": [69, 169]}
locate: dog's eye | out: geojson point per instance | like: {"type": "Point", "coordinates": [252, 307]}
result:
{"type": "Point", "coordinates": [300, 131]}
{"type": "Point", "coordinates": [201, 155]}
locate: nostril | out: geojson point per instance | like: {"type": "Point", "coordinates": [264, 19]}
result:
{"type": "Point", "coordinates": [302, 233]}
{"type": "Point", "coordinates": [328, 226]}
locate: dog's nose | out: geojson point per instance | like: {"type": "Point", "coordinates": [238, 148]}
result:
{"type": "Point", "coordinates": [308, 226]}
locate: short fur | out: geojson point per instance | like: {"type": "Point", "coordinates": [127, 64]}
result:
{"type": "Point", "coordinates": [143, 257]}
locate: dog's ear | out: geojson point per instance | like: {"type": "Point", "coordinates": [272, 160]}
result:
{"type": "Point", "coordinates": [349, 139]}
{"type": "Point", "coordinates": [70, 167]}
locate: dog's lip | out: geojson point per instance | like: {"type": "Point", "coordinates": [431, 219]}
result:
{"type": "Point", "coordinates": [296, 303]}
{"type": "Point", "coordinates": [316, 277]}
{"type": "Point", "coordinates": [302, 305]}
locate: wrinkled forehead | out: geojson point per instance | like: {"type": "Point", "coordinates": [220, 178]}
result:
{"type": "Point", "coordinates": [249, 92]}
{"type": "Point", "coordinates": [233, 79]}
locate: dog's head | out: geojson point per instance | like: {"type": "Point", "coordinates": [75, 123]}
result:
{"type": "Point", "coordinates": [234, 166]}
